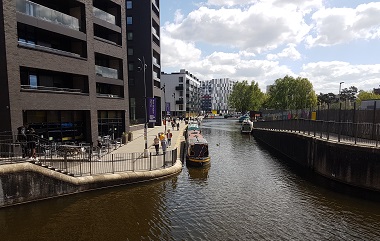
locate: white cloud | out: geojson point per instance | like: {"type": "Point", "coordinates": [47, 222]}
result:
{"type": "Point", "coordinates": [341, 25]}
{"type": "Point", "coordinates": [289, 52]}
{"type": "Point", "coordinates": [326, 76]}
{"type": "Point", "coordinates": [255, 29]}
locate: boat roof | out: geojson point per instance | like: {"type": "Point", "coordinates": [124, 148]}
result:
{"type": "Point", "coordinates": [193, 126]}
{"type": "Point", "coordinates": [196, 139]}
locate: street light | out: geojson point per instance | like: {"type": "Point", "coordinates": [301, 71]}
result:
{"type": "Point", "coordinates": [174, 104]}
{"type": "Point", "coordinates": [340, 86]}
{"type": "Point", "coordinates": [142, 66]}
{"type": "Point", "coordinates": [163, 89]}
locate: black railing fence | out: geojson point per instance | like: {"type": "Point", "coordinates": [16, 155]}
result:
{"type": "Point", "coordinates": [357, 133]}
{"type": "Point", "coordinates": [79, 160]}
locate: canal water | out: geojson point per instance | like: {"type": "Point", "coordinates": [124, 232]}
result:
{"type": "Point", "coordinates": [248, 193]}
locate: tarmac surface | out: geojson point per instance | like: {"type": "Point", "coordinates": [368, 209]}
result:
{"type": "Point", "coordinates": [137, 144]}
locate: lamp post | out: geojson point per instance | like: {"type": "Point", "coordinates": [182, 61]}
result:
{"type": "Point", "coordinates": [340, 87]}
{"type": "Point", "coordinates": [163, 89]}
{"type": "Point", "coordinates": [142, 66]}
{"type": "Point", "coordinates": [174, 104]}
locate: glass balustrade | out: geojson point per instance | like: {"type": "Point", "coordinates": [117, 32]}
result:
{"type": "Point", "coordinates": [104, 15]}
{"type": "Point", "coordinates": [106, 72]}
{"type": "Point", "coordinates": [47, 14]}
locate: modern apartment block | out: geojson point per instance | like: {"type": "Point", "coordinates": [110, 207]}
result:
{"type": "Point", "coordinates": [143, 40]}
{"type": "Point", "coordinates": [63, 68]}
{"type": "Point", "coordinates": [182, 91]}
{"type": "Point", "coordinates": [215, 95]}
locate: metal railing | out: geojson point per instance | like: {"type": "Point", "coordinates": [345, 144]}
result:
{"type": "Point", "coordinates": [81, 160]}
{"type": "Point", "coordinates": [349, 132]}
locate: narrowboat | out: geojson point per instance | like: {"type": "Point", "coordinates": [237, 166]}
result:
{"type": "Point", "coordinates": [246, 126]}
{"type": "Point", "coordinates": [197, 149]}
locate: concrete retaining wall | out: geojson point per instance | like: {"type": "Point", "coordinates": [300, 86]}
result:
{"type": "Point", "coordinates": [355, 165]}
{"type": "Point", "coordinates": [26, 182]}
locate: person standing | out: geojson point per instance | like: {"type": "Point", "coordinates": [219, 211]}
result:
{"type": "Point", "coordinates": [163, 143]}
{"type": "Point", "coordinates": [99, 145]}
{"type": "Point", "coordinates": [22, 138]}
{"type": "Point", "coordinates": [156, 143]}
{"type": "Point", "coordinates": [178, 126]}
{"type": "Point", "coordinates": [30, 135]}
{"type": "Point", "coordinates": [169, 136]}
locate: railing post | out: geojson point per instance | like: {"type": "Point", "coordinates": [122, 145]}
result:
{"type": "Point", "coordinates": [339, 130]}
{"type": "Point", "coordinates": [150, 161]}
{"type": "Point", "coordinates": [113, 167]}
{"type": "Point", "coordinates": [65, 160]}
{"type": "Point", "coordinates": [377, 135]}
{"type": "Point", "coordinates": [328, 131]}
{"type": "Point", "coordinates": [356, 126]}
{"type": "Point", "coordinates": [163, 164]}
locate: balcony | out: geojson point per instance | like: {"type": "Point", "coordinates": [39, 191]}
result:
{"type": "Point", "coordinates": [51, 89]}
{"type": "Point", "coordinates": [46, 14]}
{"type": "Point", "coordinates": [106, 72]}
{"type": "Point", "coordinates": [30, 45]}
{"type": "Point", "coordinates": [179, 87]}
{"type": "Point", "coordinates": [179, 102]}
{"type": "Point", "coordinates": [98, 13]}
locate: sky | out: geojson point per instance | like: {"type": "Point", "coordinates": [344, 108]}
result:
{"type": "Point", "coordinates": [325, 41]}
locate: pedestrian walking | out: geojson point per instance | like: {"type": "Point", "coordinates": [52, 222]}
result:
{"type": "Point", "coordinates": [173, 125]}
{"type": "Point", "coordinates": [156, 143]}
{"type": "Point", "coordinates": [169, 136]}
{"type": "Point", "coordinates": [177, 126]}
{"type": "Point", "coordinates": [30, 135]}
{"type": "Point", "coordinates": [163, 143]}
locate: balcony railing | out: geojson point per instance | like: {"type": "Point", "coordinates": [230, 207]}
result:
{"type": "Point", "coordinates": [179, 88]}
{"type": "Point", "coordinates": [23, 43]}
{"type": "Point", "coordinates": [106, 72]}
{"type": "Point", "coordinates": [54, 89]}
{"type": "Point", "coordinates": [47, 14]}
{"type": "Point", "coordinates": [104, 15]}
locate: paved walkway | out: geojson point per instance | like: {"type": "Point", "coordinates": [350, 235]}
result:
{"type": "Point", "coordinates": [138, 143]}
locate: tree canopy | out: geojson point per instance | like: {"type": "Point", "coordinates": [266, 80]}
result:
{"type": "Point", "coordinates": [291, 93]}
{"type": "Point", "coordinates": [245, 97]}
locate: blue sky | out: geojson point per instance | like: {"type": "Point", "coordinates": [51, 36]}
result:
{"type": "Point", "coordinates": [326, 41]}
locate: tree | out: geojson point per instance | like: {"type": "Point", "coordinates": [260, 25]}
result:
{"type": "Point", "coordinates": [246, 97]}
{"type": "Point", "coordinates": [349, 94]}
{"type": "Point", "coordinates": [366, 95]}
{"type": "Point", "coordinates": [324, 99]}
{"type": "Point", "coordinates": [291, 93]}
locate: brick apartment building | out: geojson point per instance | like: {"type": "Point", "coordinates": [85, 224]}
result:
{"type": "Point", "coordinates": [63, 68]}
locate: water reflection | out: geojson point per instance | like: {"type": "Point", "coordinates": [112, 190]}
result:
{"type": "Point", "coordinates": [198, 174]}
{"type": "Point", "coordinates": [248, 193]}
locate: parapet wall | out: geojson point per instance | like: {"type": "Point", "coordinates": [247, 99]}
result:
{"type": "Point", "coordinates": [27, 182]}
{"type": "Point", "coordinates": [355, 165]}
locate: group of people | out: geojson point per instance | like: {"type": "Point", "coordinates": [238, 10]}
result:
{"type": "Point", "coordinates": [26, 136]}
{"type": "Point", "coordinates": [165, 139]}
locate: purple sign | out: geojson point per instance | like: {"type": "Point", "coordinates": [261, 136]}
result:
{"type": "Point", "coordinates": [167, 108]}
{"type": "Point", "coordinates": [152, 109]}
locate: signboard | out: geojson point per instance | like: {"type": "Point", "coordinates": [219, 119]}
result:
{"type": "Point", "coordinates": [167, 108]}
{"type": "Point", "coordinates": [152, 109]}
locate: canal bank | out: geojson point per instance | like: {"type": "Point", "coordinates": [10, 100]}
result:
{"type": "Point", "coordinates": [27, 182]}
{"type": "Point", "coordinates": [355, 165]}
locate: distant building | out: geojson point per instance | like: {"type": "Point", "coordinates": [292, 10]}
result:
{"type": "Point", "coordinates": [143, 40]}
{"type": "Point", "coordinates": [376, 91]}
{"type": "Point", "coordinates": [215, 94]}
{"type": "Point", "coordinates": [182, 91]}
{"type": "Point", "coordinates": [369, 104]}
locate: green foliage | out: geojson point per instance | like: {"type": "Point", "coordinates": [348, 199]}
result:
{"type": "Point", "coordinates": [366, 95]}
{"type": "Point", "coordinates": [245, 97]}
{"type": "Point", "coordinates": [291, 93]}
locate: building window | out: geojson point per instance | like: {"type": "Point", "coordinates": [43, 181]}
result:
{"type": "Point", "coordinates": [180, 107]}
{"type": "Point", "coordinates": [33, 81]}
{"type": "Point", "coordinates": [129, 20]}
{"type": "Point", "coordinates": [131, 67]}
{"type": "Point", "coordinates": [181, 93]}
{"type": "Point", "coordinates": [130, 51]}
{"type": "Point", "coordinates": [131, 81]}
{"type": "Point", "coordinates": [180, 79]}
{"type": "Point", "coordinates": [129, 36]}
{"type": "Point", "coordinates": [129, 4]}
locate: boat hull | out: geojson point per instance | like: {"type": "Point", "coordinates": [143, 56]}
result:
{"type": "Point", "coordinates": [196, 162]}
